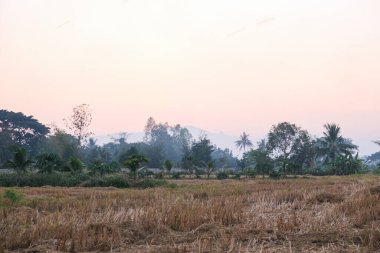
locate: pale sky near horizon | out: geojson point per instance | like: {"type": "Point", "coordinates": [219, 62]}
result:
{"type": "Point", "coordinates": [229, 66]}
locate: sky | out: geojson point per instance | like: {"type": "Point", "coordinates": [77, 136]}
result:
{"type": "Point", "coordinates": [225, 66]}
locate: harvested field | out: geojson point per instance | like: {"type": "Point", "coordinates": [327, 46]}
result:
{"type": "Point", "coordinates": [316, 214]}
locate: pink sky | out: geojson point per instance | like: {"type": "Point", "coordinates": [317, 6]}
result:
{"type": "Point", "coordinates": [221, 65]}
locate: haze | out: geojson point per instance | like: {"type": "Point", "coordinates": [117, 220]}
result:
{"type": "Point", "coordinates": [228, 66]}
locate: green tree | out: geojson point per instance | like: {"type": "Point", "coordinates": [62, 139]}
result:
{"type": "Point", "coordinates": [168, 165]}
{"type": "Point", "coordinates": [60, 143]}
{"type": "Point", "coordinates": [332, 144]}
{"type": "Point", "coordinates": [165, 142]}
{"type": "Point", "coordinates": [243, 142]}
{"type": "Point", "coordinates": [101, 168]}
{"type": "Point", "coordinates": [347, 164]}
{"type": "Point", "coordinates": [79, 122]}
{"type": "Point", "coordinates": [134, 162]}
{"type": "Point", "coordinates": [201, 151]}
{"type": "Point", "coordinates": [20, 161]}
{"type": "Point", "coordinates": [21, 130]}
{"type": "Point", "coordinates": [260, 160]}
{"type": "Point", "coordinates": [283, 140]}
{"type": "Point", "coordinates": [48, 162]}
{"type": "Point", "coordinates": [304, 155]}
{"type": "Point", "coordinates": [210, 168]}
{"type": "Point", "coordinates": [74, 165]}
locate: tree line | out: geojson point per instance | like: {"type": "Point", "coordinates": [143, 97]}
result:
{"type": "Point", "coordinates": [26, 144]}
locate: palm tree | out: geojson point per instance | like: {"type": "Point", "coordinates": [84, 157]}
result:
{"type": "Point", "coordinates": [20, 162]}
{"type": "Point", "coordinates": [333, 144]}
{"type": "Point", "coordinates": [243, 142]}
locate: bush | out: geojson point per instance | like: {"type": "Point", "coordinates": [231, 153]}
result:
{"type": "Point", "coordinates": [149, 183]}
{"type": "Point", "coordinates": [274, 174]}
{"type": "Point", "coordinates": [70, 180]}
{"type": "Point", "coordinates": [37, 179]}
{"type": "Point", "coordinates": [159, 175]}
{"type": "Point", "coordinates": [237, 176]}
{"type": "Point", "coordinates": [12, 195]}
{"type": "Point", "coordinates": [176, 176]}
{"type": "Point", "coordinates": [107, 181]}
{"type": "Point", "coordinates": [222, 175]}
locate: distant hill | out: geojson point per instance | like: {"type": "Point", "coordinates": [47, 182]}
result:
{"type": "Point", "coordinates": [220, 139]}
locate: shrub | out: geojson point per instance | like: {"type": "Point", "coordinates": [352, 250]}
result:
{"type": "Point", "coordinates": [12, 195]}
{"type": "Point", "coordinates": [176, 176]}
{"type": "Point", "coordinates": [274, 174]}
{"type": "Point", "coordinates": [159, 175]}
{"type": "Point", "coordinates": [237, 176]}
{"type": "Point", "coordinates": [149, 183]}
{"type": "Point", "coordinates": [107, 181]}
{"type": "Point", "coordinates": [222, 175]}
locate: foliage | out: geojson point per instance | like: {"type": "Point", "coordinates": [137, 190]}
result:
{"type": "Point", "coordinates": [118, 181]}
{"type": "Point", "coordinates": [21, 130]}
{"type": "Point", "coordinates": [210, 168]}
{"type": "Point", "coordinates": [20, 162]}
{"type": "Point", "coordinates": [38, 179]}
{"type": "Point", "coordinates": [48, 162]}
{"type": "Point", "coordinates": [283, 141]}
{"type": "Point", "coordinates": [74, 165]}
{"type": "Point", "coordinates": [60, 143]}
{"type": "Point", "coordinates": [224, 158]}
{"type": "Point", "coordinates": [333, 144]}
{"type": "Point", "coordinates": [346, 165]}
{"type": "Point", "coordinates": [168, 165]}
{"type": "Point", "coordinates": [261, 161]}
{"type": "Point", "coordinates": [13, 195]}
{"type": "Point", "coordinates": [176, 176]}
{"type": "Point", "coordinates": [79, 122]}
{"type": "Point", "coordinates": [98, 167]}
{"type": "Point", "coordinates": [148, 183]}
{"type": "Point", "coordinates": [222, 175]}
{"type": "Point", "coordinates": [243, 142]}
{"type": "Point", "coordinates": [165, 142]}
{"type": "Point", "coordinates": [133, 163]}
{"type": "Point", "coordinates": [201, 151]}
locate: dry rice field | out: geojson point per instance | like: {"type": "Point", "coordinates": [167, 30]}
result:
{"type": "Point", "coordinates": [315, 214]}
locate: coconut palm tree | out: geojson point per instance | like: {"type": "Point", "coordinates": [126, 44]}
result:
{"type": "Point", "coordinates": [333, 144]}
{"type": "Point", "coordinates": [20, 162]}
{"type": "Point", "coordinates": [244, 142]}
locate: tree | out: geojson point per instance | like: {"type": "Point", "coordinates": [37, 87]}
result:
{"type": "Point", "coordinates": [60, 143]}
{"type": "Point", "coordinates": [74, 165]}
{"type": "Point", "coordinates": [48, 162]}
{"type": "Point", "coordinates": [261, 161]}
{"type": "Point", "coordinates": [99, 167]}
{"type": "Point", "coordinates": [20, 161]}
{"type": "Point", "coordinates": [347, 164]}
{"type": "Point", "coordinates": [134, 162]}
{"type": "Point", "coordinates": [243, 142]}
{"type": "Point", "coordinates": [283, 140]}
{"type": "Point", "coordinates": [79, 122]}
{"type": "Point", "coordinates": [304, 155]}
{"type": "Point", "coordinates": [165, 142]}
{"type": "Point", "coordinates": [210, 168]}
{"type": "Point", "coordinates": [333, 144]}
{"type": "Point", "coordinates": [168, 165]}
{"type": "Point", "coordinates": [201, 151]}
{"type": "Point", "coordinates": [21, 130]}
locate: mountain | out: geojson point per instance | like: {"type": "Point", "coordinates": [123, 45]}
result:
{"type": "Point", "coordinates": [220, 139]}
